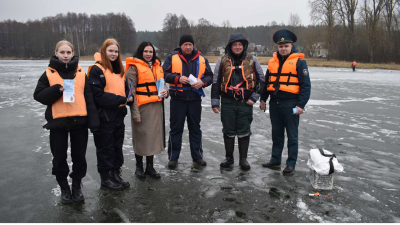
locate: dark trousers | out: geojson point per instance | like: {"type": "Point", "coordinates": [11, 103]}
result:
{"type": "Point", "coordinates": [282, 118]}
{"type": "Point", "coordinates": [109, 140]}
{"type": "Point", "coordinates": [179, 111]}
{"type": "Point", "coordinates": [354, 68]}
{"type": "Point", "coordinates": [236, 117]}
{"type": "Point", "coordinates": [59, 147]}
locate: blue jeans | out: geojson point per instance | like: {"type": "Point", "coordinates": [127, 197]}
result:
{"type": "Point", "coordinates": [282, 118]}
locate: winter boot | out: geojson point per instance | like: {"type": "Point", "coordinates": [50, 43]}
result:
{"type": "Point", "coordinates": [117, 177]}
{"type": "Point", "coordinates": [140, 172]}
{"type": "Point", "coordinates": [243, 149]}
{"type": "Point", "coordinates": [229, 147]}
{"type": "Point", "coordinates": [152, 172]}
{"type": "Point", "coordinates": [77, 194]}
{"type": "Point", "coordinates": [66, 197]}
{"type": "Point", "coordinates": [139, 167]}
{"type": "Point", "coordinates": [108, 183]}
{"type": "Point", "coordinates": [150, 169]}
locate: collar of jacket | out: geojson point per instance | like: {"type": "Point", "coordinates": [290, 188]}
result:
{"type": "Point", "coordinates": [58, 65]}
{"type": "Point", "coordinates": [196, 54]}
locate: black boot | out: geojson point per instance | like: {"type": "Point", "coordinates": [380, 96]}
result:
{"type": "Point", "coordinates": [140, 172]}
{"type": "Point", "coordinates": [77, 194]}
{"type": "Point", "coordinates": [150, 169]}
{"type": "Point", "coordinates": [243, 149]}
{"type": "Point", "coordinates": [229, 147]}
{"type": "Point", "coordinates": [116, 176]}
{"type": "Point", "coordinates": [139, 167]}
{"type": "Point", "coordinates": [108, 183]}
{"type": "Point", "coordinates": [66, 197]}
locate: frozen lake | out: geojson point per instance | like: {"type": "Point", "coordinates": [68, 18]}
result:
{"type": "Point", "coordinates": [354, 115]}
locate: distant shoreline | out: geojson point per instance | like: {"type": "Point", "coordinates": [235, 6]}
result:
{"type": "Point", "coordinates": [311, 62]}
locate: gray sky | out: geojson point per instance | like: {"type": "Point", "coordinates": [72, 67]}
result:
{"type": "Point", "coordinates": [149, 14]}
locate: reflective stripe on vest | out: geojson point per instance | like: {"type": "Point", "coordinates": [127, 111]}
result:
{"type": "Point", "coordinates": [146, 90]}
{"type": "Point", "coordinates": [288, 79]}
{"type": "Point", "coordinates": [178, 68]}
{"type": "Point", "coordinates": [114, 82]}
{"type": "Point", "coordinates": [247, 68]}
{"type": "Point", "coordinates": [61, 109]}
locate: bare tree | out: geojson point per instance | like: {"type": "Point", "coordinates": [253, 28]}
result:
{"type": "Point", "coordinates": [371, 13]}
{"type": "Point", "coordinates": [346, 11]}
{"type": "Point", "coordinates": [323, 13]}
{"type": "Point", "coordinates": [294, 20]}
{"type": "Point", "coordinates": [227, 30]}
{"type": "Point", "coordinates": [205, 35]}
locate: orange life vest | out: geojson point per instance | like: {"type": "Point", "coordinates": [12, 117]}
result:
{"type": "Point", "coordinates": [177, 68]}
{"type": "Point", "coordinates": [354, 63]}
{"type": "Point", "coordinates": [146, 90]}
{"type": "Point", "coordinates": [114, 82]}
{"type": "Point", "coordinates": [288, 79]}
{"type": "Point", "coordinates": [77, 108]}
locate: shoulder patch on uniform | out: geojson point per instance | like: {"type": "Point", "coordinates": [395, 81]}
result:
{"type": "Point", "coordinates": [305, 72]}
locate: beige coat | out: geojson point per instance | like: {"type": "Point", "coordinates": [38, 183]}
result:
{"type": "Point", "coordinates": [148, 134]}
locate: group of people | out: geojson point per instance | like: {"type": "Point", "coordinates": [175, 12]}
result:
{"type": "Point", "coordinates": [100, 98]}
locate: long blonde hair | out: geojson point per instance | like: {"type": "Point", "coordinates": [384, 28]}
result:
{"type": "Point", "coordinates": [64, 42]}
{"type": "Point", "coordinates": [105, 61]}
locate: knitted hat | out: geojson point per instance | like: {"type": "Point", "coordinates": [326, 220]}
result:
{"type": "Point", "coordinates": [186, 38]}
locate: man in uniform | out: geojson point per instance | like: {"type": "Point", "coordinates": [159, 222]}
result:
{"type": "Point", "coordinates": [287, 83]}
{"type": "Point", "coordinates": [186, 97]}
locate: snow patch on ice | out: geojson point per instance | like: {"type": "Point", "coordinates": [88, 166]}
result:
{"type": "Point", "coordinates": [304, 211]}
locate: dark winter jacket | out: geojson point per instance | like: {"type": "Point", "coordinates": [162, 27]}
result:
{"type": "Point", "coordinates": [236, 61]}
{"type": "Point", "coordinates": [304, 82]}
{"type": "Point", "coordinates": [107, 103]}
{"type": "Point", "coordinates": [48, 95]}
{"type": "Point", "coordinates": [189, 67]}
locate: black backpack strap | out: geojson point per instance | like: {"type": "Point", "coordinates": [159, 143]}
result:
{"type": "Point", "coordinates": [331, 169]}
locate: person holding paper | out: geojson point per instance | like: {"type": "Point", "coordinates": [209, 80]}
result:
{"type": "Point", "coordinates": [186, 98]}
{"type": "Point", "coordinates": [107, 80]}
{"type": "Point", "coordinates": [143, 71]}
{"type": "Point", "coordinates": [67, 117]}
{"type": "Point", "coordinates": [289, 86]}
{"type": "Point", "coordinates": [238, 78]}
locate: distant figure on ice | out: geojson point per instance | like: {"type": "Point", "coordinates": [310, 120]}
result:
{"type": "Point", "coordinates": [238, 78]}
{"type": "Point", "coordinates": [148, 125]}
{"type": "Point", "coordinates": [354, 64]}
{"type": "Point", "coordinates": [287, 82]}
{"type": "Point", "coordinates": [186, 97]}
{"type": "Point", "coordinates": [65, 118]}
{"type": "Point", "coordinates": [107, 80]}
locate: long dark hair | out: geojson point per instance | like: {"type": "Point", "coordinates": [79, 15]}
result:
{"type": "Point", "coordinates": [140, 50]}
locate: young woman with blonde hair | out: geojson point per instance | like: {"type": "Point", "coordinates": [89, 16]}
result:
{"type": "Point", "coordinates": [72, 117]}
{"type": "Point", "coordinates": [107, 80]}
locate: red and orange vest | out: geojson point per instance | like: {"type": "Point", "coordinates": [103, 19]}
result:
{"type": "Point", "coordinates": [177, 68]}
{"type": "Point", "coordinates": [146, 90]}
{"type": "Point", "coordinates": [77, 108]}
{"type": "Point", "coordinates": [248, 74]}
{"type": "Point", "coordinates": [288, 79]}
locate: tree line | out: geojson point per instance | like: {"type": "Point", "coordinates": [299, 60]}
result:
{"type": "Point", "coordinates": [38, 38]}
{"type": "Point", "coordinates": [361, 30]}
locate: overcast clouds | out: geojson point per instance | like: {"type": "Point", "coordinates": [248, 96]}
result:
{"type": "Point", "coordinates": [149, 14]}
